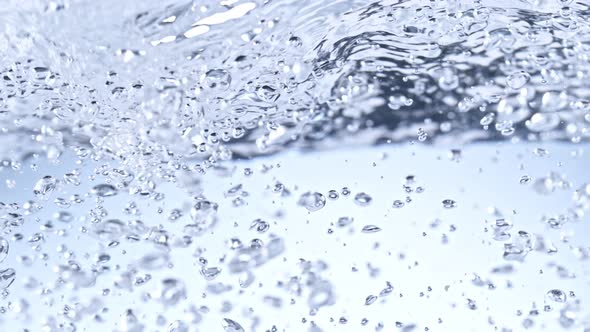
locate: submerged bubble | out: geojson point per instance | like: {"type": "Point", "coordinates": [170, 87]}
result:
{"type": "Point", "coordinates": [111, 229]}
{"type": "Point", "coordinates": [231, 326]}
{"type": "Point", "coordinates": [422, 135]}
{"type": "Point", "coordinates": [178, 326]}
{"type": "Point", "coordinates": [63, 216]}
{"type": "Point", "coordinates": [260, 225]}
{"type": "Point", "coordinates": [487, 119]}
{"type": "Point", "coordinates": [154, 261]}
{"type": "Point", "coordinates": [518, 80]}
{"type": "Point", "coordinates": [218, 79]}
{"type": "Point", "coordinates": [45, 186]}
{"type": "Point", "coordinates": [514, 252]}
{"type": "Point", "coordinates": [370, 299]}
{"type": "Point", "coordinates": [525, 179]}
{"type": "Point", "coordinates": [333, 194]}
{"type": "Point", "coordinates": [172, 292]}
{"type": "Point", "coordinates": [210, 273]}
{"type": "Point", "coordinates": [541, 122]}
{"type": "Point", "coordinates": [371, 229]}
{"type": "Point", "coordinates": [449, 203]}
{"type": "Point", "coordinates": [246, 279]}
{"type": "Point", "coordinates": [7, 277]}
{"type": "Point", "coordinates": [362, 199]}
{"type": "Point", "coordinates": [204, 216]}
{"type": "Point", "coordinates": [104, 190]}
{"type": "Point", "coordinates": [344, 221]}
{"type": "Point", "coordinates": [322, 294]}
{"type": "Point", "coordinates": [4, 247]}
{"type": "Point", "coordinates": [557, 295]}
{"type": "Point", "coordinates": [312, 201]}
{"type": "Point", "coordinates": [255, 255]}
{"type": "Point", "coordinates": [398, 204]}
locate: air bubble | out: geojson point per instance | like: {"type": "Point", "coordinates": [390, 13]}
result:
{"type": "Point", "coordinates": [344, 221]}
{"type": "Point", "coordinates": [371, 229]}
{"type": "Point", "coordinates": [362, 199]}
{"type": "Point", "coordinates": [449, 203]}
{"type": "Point", "coordinates": [557, 295]}
{"type": "Point", "coordinates": [370, 299]}
{"type": "Point", "coordinates": [218, 79]}
{"type": "Point", "coordinates": [398, 204]}
{"type": "Point", "coordinates": [333, 194]}
{"type": "Point", "coordinates": [518, 80]}
{"type": "Point", "coordinates": [44, 186]}
{"type": "Point", "coordinates": [4, 247]}
{"type": "Point", "coordinates": [231, 326]}
{"type": "Point", "coordinates": [7, 277]}
{"type": "Point", "coordinates": [104, 190]}
{"type": "Point", "coordinates": [312, 201]}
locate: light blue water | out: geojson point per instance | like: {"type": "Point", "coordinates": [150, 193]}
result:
{"type": "Point", "coordinates": [294, 166]}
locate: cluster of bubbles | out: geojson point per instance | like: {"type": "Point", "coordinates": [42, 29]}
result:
{"type": "Point", "coordinates": [173, 84]}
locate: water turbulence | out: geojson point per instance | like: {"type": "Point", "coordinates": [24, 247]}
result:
{"type": "Point", "coordinates": [294, 165]}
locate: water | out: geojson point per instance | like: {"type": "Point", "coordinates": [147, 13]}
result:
{"type": "Point", "coordinates": [294, 165]}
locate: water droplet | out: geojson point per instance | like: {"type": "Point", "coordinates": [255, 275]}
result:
{"type": "Point", "coordinates": [321, 294]}
{"type": "Point", "coordinates": [370, 299]}
{"type": "Point", "coordinates": [387, 290]}
{"type": "Point", "coordinates": [422, 135]}
{"type": "Point", "coordinates": [525, 179]}
{"type": "Point", "coordinates": [333, 194]}
{"type": "Point", "coordinates": [487, 119]}
{"type": "Point", "coordinates": [541, 122]}
{"type": "Point", "coordinates": [260, 225]}
{"type": "Point", "coordinates": [246, 279]}
{"type": "Point", "coordinates": [44, 186]}
{"type": "Point", "coordinates": [204, 217]}
{"type": "Point", "coordinates": [514, 252]}
{"type": "Point", "coordinates": [210, 273]}
{"type": "Point", "coordinates": [398, 204]}
{"type": "Point", "coordinates": [112, 229]}
{"type": "Point", "coordinates": [104, 190]}
{"type": "Point", "coordinates": [518, 80]}
{"type": "Point", "coordinates": [173, 291]}
{"type": "Point", "coordinates": [344, 221]}
{"type": "Point", "coordinates": [448, 79]}
{"type": "Point", "coordinates": [455, 155]}
{"type": "Point", "coordinates": [235, 190]}
{"type": "Point", "coordinates": [154, 261]}
{"type": "Point", "coordinates": [556, 295]}
{"type": "Point", "coordinates": [178, 326]}
{"type": "Point", "coordinates": [362, 199]}
{"type": "Point", "coordinates": [4, 246]}
{"type": "Point", "coordinates": [312, 201]}
{"type": "Point", "coordinates": [371, 229]}
{"type": "Point", "coordinates": [7, 277]}
{"type": "Point", "coordinates": [63, 216]}
{"type": "Point", "coordinates": [279, 188]}
{"type": "Point", "coordinates": [449, 204]}
{"type": "Point", "coordinates": [218, 79]}
{"type": "Point", "coordinates": [72, 178]}
{"type": "Point", "coordinates": [255, 255]}
{"type": "Point", "coordinates": [231, 326]}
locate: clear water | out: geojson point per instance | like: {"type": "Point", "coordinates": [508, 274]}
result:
{"type": "Point", "coordinates": [294, 165]}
